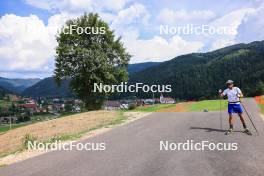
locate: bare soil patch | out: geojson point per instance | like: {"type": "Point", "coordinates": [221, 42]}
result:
{"type": "Point", "coordinates": [179, 107]}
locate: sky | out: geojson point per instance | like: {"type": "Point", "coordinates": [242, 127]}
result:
{"type": "Point", "coordinates": [151, 30]}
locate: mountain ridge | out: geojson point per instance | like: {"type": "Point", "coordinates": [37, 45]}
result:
{"type": "Point", "coordinates": [200, 75]}
{"type": "Point", "coordinates": [48, 88]}
{"type": "Point", "coordinates": [197, 75]}
{"type": "Point", "coordinates": [39, 89]}
{"type": "Point", "coordinates": [17, 85]}
{"type": "Point", "coordinates": [137, 67]}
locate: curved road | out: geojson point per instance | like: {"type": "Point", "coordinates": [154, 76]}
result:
{"type": "Point", "coordinates": [134, 150]}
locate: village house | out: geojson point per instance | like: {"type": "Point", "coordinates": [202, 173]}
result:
{"type": "Point", "coordinates": [7, 120]}
{"type": "Point", "coordinates": [166, 100]}
{"type": "Point", "coordinates": [76, 108]}
{"type": "Point", "coordinates": [14, 98]}
{"type": "Point", "coordinates": [149, 101]}
{"type": "Point", "coordinates": [112, 105]}
{"type": "Point", "coordinates": [31, 107]}
{"type": "Point", "coordinates": [140, 102]}
{"type": "Point", "coordinates": [58, 105]}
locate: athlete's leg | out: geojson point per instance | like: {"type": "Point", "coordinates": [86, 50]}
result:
{"type": "Point", "coordinates": [230, 124]}
{"type": "Point", "coordinates": [244, 124]}
{"type": "Point", "coordinates": [242, 120]}
{"type": "Point", "coordinates": [231, 120]}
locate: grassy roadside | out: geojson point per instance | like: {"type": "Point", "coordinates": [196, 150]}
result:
{"type": "Point", "coordinates": [63, 129]}
{"type": "Point", "coordinates": [152, 108]}
{"type": "Point", "coordinates": [5, 127]}
{"type": "Point", "coordinates": [210, 105]}
{"type": "Point", "coordinates": [261, 108]}
{"type": "Point", "coordinates": [2, 165]}
{"type": "Point", "coordinates": [120, 118]}
{"type": "Point", "coordinates": [260, 102]}
{"type": "Point", "coordinates": [199, 106]}
{"type": "Point", "coordinates": [34, 119]}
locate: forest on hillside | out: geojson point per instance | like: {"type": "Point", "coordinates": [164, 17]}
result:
{"type": "Point", "coordinates": [200, 75]}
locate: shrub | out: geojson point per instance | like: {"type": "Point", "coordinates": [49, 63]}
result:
{"type": "Point", "coordinates": [28, 138]}
{"type": "Point", "coordinates": [131, 106]}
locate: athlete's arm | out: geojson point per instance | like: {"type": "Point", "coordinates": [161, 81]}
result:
{"type": "Point", "coordinates": [239, 93]}
{"type": "Point", "coordinates": [222, 94]}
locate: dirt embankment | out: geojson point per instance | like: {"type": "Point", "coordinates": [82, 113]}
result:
{"type": "Point", "coordinates": [13, 140]}
{"type": "Point", "coordinates": [179, 107]}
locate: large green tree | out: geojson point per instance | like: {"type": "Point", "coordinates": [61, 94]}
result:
{"type": "Point", "coordinates": [94, 56]}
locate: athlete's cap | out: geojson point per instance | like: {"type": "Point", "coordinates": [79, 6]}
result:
{"type": "Point", "coordinates": [229, 82]}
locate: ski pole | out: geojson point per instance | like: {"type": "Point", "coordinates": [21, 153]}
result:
{"type": "Point", "coordinates": [250, 118]}
{"type": "Point", "coordinates": [220, 104]}
{"type": "Point", "coordinates": [221, 123]}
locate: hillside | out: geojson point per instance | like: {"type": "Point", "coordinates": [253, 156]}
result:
{"type": "Point", "coordinates": [134, 68]}
{"type": "Point", "coordinates": [17, 85]}
{"type": "Point", "coordinates": [48, 88]}
{"type": "Point", "coordinates": [192, 76]}
{"type": "Point", "coordinates": [200, 75]}
{"type": "Point", "coordinates": [3, 92]}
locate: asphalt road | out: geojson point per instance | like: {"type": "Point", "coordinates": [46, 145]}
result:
{"type": "Point", "coordinates": [134, 150]}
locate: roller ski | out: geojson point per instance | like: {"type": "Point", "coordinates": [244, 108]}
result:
{"type": "Point", "coordinates": [246, 131]}
{"type": "Point", "coordinates": [229, 131]}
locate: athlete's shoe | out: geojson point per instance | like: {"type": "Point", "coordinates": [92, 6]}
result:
{"type": "Point", "coordinates": [247, 132]}
{"type": "Point", "coordinates": [229, 131]}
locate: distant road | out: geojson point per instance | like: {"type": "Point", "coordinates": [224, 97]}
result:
{"type": "Point", "coordinates": [133, 150]}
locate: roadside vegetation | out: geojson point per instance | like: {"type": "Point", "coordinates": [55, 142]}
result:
{"type": "Point", "coordinates": [152, 108]}
{"type": "Point", "coordinates": [192, 106]}
{"type": "Point", "coordinates": [65, 128]}
{"type": "Point", "coordinates": [261, 108]}
{"type": "Point", "coordinates": [34, 119]}
{"type": "Point", "coordinates": [260, 101]}
{"type": "Point", "coordinates": [4, 103]}
{"type": "Point", "coordinates": [22, 111]}
{"type": "Point", "coordinates": [209, 105]}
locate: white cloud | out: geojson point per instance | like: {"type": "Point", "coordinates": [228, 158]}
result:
{"type": "Point", "coordinates": [26, 44]}
{"type": "Point", "coordinates": [131, 20]}
{"type": "Point", "coordinates": [252, 26]}
{"type": "Point", "coordinates": [242, 21]}
{"type": "Point", "coordinates": [78, 5]}
{"type": "Point", "coordinates": [231, 20]}
{"type": "Point", "coordinates": [55, 22]}
{"type": "Point", "coordinates": [168, 16]}
{"type": "Point", "coordinates": [112, 4]}
{"type": "Point", "coordinates": [134, 15]}
{"type": "Point", "coordinates": [46, 4]}
{"type": "Point", "coordinates": [157, 48]}
{"type": "Point", "coordinates": [221, 43]}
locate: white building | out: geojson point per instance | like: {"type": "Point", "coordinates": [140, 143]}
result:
{"type": "Point", "coordinates": [166, 100]}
